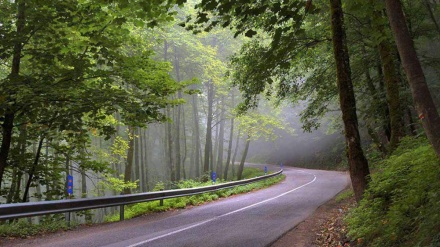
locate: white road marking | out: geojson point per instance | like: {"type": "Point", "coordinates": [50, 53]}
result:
{"type": "Point", "coordinates": [223, 215]}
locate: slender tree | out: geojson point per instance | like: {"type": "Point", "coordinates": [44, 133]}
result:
{"type": "Point", "coordinates": [358, 164]}
{"type": "Point", "coordinates": [208, 140]}
{"type": "Point", "coordinates": [422, 98]}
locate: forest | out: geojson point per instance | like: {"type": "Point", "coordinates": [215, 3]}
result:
{"type": "Point", "coordinates": [131, 96]}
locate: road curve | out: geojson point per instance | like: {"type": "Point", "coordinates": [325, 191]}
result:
{"type": "Point", "coordinates": [253, 219]}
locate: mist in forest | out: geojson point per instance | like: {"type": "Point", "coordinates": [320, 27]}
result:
{"type": "Point", "coordinates": [321, 148]}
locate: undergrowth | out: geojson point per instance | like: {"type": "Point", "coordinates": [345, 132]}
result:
{"type": "Point", "coordinates": [23, 228]}
{"type": "Point", "coordinates": [402, 204]}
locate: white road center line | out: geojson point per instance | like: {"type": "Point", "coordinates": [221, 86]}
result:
{"type": "Point", "coordinates": [223, 215]}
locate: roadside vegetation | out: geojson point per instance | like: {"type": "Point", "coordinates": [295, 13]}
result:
{"type": "Point", "coordinates": [21, 228]}
{"type": "Point", "coordinates": [401, 207]}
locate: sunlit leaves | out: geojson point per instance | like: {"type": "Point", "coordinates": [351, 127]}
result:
{"type": "Point", "coordinates": [256, 125]}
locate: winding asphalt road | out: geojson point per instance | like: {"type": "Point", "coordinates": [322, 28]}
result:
{"type": "Point", "coordinates": [253, 219]}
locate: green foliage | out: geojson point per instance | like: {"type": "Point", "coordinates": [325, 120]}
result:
{"type": "Point", "coordinates": [159, 186]}
{"type": "Point", "coordinates": [344, 195]}
{"type": "Point", "coordinates": [250, 172]}
{"type": "Point", "coordinates": [71, 75]}
{"type": "Point", "coordinates": [255, 125]}
{"type": "Point", "coordinates": [402, 205]}
{"type": "Point", "coordinates": [22, 228]}
{"type": "Point", "coordinates": [117, 184]}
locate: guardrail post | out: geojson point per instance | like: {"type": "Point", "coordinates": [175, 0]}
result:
{"type": "Point", "coordinates": [121, 212]}
{"type": "Point", "coordinates": [68, 219]}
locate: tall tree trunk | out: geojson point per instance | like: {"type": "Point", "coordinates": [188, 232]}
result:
{"type": "Point", "coordinates": [215, 149]}
{"type": "Point", "coordinates": [422, 98]}
{"type": "Point", "coordinates": [129, 164]}
{"type": "Point", "coordinates": [143, 161]}
{"type": "Point", "coordinates": [137, 154]}
{"type": "Point", "coordinates": [83, 184]}
{"type": "Point", "coordinates": [392, 82]}
{"type": "Point", "coordinates": [87, 213]}
{"type": "Point", "coordinates": [228, 159]}
{"type": "Point", "coordinates": [171, 165]}
{"type": "Point", "coordinates": [237, 142]}
{"type": "Point", "coordinates": [185, 148]}
{"type": "Point", "coordinates": [358, 163]}
{"type": "Point", "coordinates": [392, 91]}
{"type": "Point", "coordinates": [208, 140]}
{"type": "Point", "coordinates": [33, 169]}
{"type": "Point", "coordinates": [170, 153]}
{"type": "Point", "coordinates": [17, 173]}
{"type": "Point", "coordinates": [411, 125]}
{"type": "Point", "coordinates": [178, 159]}
{"type": "Point", "coordinates": [8, 122]}
{"type": "Point", "coordinates": [384, 105]}
{"type": "Point", "coordinates": [178, 117]}
{"type": "Point", "coordinates": [381, 112]}
{"type": "Point", "coordinates": [221, 138]}
{"type": "Point", "coordinates": [243, 158]}
{"type": "Point", "coordinates": [197, 134]}
{"type": "Point", "coordinates": [13, 185]}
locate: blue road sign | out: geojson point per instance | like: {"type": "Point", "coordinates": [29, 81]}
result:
{"type": "Point", "coordinates": [69, 184]}
{"type": "Point", "coordinates": [265, 170]}
{"type": "Point", "coordinates": [214, 177]}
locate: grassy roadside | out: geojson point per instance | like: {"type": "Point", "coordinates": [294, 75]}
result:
{"type": "Point", "coordinates": [53, 223]}
{"type": "Point", "coordinates": [400, 208]}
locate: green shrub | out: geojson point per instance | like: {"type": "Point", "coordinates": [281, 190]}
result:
{"type": "Point", "coordinates": [250, 172]}
{"type": "Point", "coordinates": [344, 195]}
{"type": "Point", "coordinates": [22, 228]}
{"type": "Point", "coordinates": [402, 205]}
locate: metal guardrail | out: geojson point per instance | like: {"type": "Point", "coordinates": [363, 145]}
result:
{"type": "Point", "coordinates": [20, 210]}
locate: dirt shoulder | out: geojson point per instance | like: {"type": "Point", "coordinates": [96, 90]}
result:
{"type": "Point", "coordinates": [323, 228]}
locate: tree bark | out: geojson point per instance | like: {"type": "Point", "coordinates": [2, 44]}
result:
{"type": "Point", "coordinates": [237, 141]}
{"type": "Point", "coordinates": [393, 98]}
{"type": "Point", "coordinates": [243, 159]}
{"type": "Point", "coordinates": [228, 159]}
{"type": "Point", "coordinates": [386, 111]}
{"type": "Point", "coordinates": [358, 164]}
{"type": "Point", "coordinates": [87, 213]}
{"type": "Point", "coordinates": [197, 134]}
{"type": "Point", "coordinates": [380, 111]}
{"type": "Point", "coordinates": [221, 137]}
{"type": "Point", "coordinates": [143, 161]}
{"type": "Point", "coordinates": [392, 82]}
{"type": "Point", "coordinates": [178, 117]}
{"type": "Point", "coordinates": [422, 98]}
{"type": "Point", "coordinates": [129, 164]}
{"type": "Point", "coordinates": [208, 140]}
{"type": "Point", "coordinates": [33, 169]}
{"type": "Point", "coordinates": [137, 151]}
{"type": "Point", "coordinates": [171, 165]}
{"type": "Point", "coordinates": [185, 148]}
{"type": "Point", "coordinates": [17, 173]}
